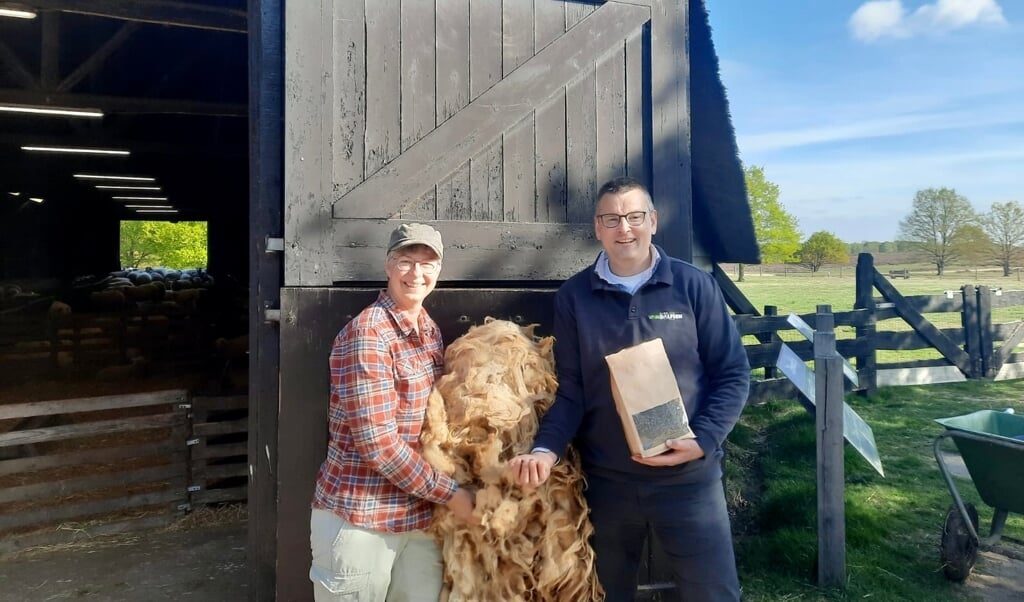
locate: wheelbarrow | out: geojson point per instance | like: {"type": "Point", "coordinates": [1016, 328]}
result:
{"type": "Point", "coordinates": [991, 444]}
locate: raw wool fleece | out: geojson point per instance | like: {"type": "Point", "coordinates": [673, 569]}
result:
{"type": "Point", "coordinates": [531, 545]}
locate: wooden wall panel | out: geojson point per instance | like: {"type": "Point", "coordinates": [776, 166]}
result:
{"type": "Point", "coordinates": [383, 84]}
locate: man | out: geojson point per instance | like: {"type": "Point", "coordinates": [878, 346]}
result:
{"type": "Point", "coordinates": [634, 293]}
{"type": "Point", "coordinates": [374, 492]}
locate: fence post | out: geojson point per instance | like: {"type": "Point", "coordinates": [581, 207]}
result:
{"type": "Point", "coordinates": [985, 344]}
{"type": "Point", "coordinates": [771, 371]}
{"type": "Point", "coordinates": [972, 338]}
{"type": "Point", "coordinates": [866, 370]}
{"type": "Point", "coordinates": [828, 419]}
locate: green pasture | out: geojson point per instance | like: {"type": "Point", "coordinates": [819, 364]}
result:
{"type": "Point", "coordinates": [893, 523]}
{"type": "Point", "coordinates": [802, 292]}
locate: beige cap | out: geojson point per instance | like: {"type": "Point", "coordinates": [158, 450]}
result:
{"type": "Point", "coordinates": [416, 234]}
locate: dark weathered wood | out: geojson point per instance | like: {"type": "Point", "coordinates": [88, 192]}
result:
{"type": "Point", "coordinates": [88, 429]}
{"type": "Point", "coordinates": [485, 41]}
{"type": "Point", "coordinates": [1003, 298]}
{"type": "Point", "coordinates": [864, 301]}
{"type": "Point", "coordinates": [210, 404]}
{"type": "Point", "coordinates": [1010, 341]}
{"type": "Point", "coordinates": [203, 451]}
{"type": "Point", "coordinates": [266, 193]}
{"type": "Point", "coordinates": [14, 66]}
{"type": "Point", "coordinates": [909, 340]}
{"type": "Point", "coordinates": [123, 104]}
{"type": "Point", "coordinates": [986, 348]}
{"type": "Point", "coordinates": [171, 450]}
{"type": "Point", "coordinates": [160, 12]}
{"type": "Point", "coordinates": [638, 156]}
{"type": "Point", "coordinates": [63, 512]}
{"type": "Point", "coordinates": [671, 175]}
{"type": "Point", "coordinates": [225, 427]}
{"type": "Point", "coordinates": [207, 473]}
{"type": "Point", "coordinates": [383, 87]}
{"type": "Point", "coordinates": [486, 182]}
{"type": "Point", "coordinates": [98, 57]}
{"type": "Point", "coordinates": [577, 11]}
{"type": "Point", "coordinates": [519, 154]}
{"type": "Point", "coordinates": [418, 72]}
{"type": "Point", "coordinates": [972, 334]}
{"type": "Point", "coordinates": [48, 537]}
{"type": "Point", "coordinates": [552, 202]}
{"type": "Point", "coordinates": [581, 145]}
{"type": "Point", "coordinates": [348, 111]}
{"type": "Point", "coordinates": [232, 494]}
{"type": "Point", "coordinates": [474, 250]}
{"type": "Point", "coordinates": [611, 115]}
{"type": "Point", "coordinates": [828, 417]}
{"type": "Point", "coordinates": [49, 59]}
{"type": "Point", "coordinates": [92, 404]}
{"type": "Point", "coordinates": [477, 125]}
{"type": "Point", "coordinates": [734, 297]}
{"type": "Point", "coordinates": [454, 201]}
{"type": "Point", "coordinates": [932, 363]}
{"type": "Point", "coordinates": [926, 329]}
{"type": "Point", "coordinates": [65, 487]}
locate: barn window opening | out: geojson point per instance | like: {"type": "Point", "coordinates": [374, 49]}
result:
{"type": "Point", "coordinates": [150, 244]}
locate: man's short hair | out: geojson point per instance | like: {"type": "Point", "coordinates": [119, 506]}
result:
{"type": "Point", "coordinates": [621, 185]}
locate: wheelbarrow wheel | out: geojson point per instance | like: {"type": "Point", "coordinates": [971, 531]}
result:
{"type": "Point", "coordinates": [959, 548]}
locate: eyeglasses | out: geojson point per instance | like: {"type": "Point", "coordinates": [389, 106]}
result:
{"type": "Point", "coordinates": [633, 218]}
{"type": "Point", "coordinates": [427, 267]}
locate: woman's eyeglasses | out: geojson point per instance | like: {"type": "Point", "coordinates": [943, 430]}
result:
{"type": "Point", "coordinates": [633, 218]}
{"type": "Point", "coordinates": [427, 267]}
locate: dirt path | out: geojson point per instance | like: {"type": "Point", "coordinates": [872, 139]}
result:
{"type": "Point", "coordinates": [199, 565]}
{"type": "Point", "coordinates": [997, 578]}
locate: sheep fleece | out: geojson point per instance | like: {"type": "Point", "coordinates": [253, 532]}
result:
{"type": "Point", "coordinates": [531, 545]}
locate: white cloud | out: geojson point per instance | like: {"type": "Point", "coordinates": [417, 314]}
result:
{"type": "Point", "coordinates": [878, 19]}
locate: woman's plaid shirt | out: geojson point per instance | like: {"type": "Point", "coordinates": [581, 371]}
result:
{"type": "Point", "coordinates": [382, 373]}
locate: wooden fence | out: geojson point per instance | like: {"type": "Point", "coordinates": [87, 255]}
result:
{"type": "Point", "coordinates": [77, 468]}
{"type": "Point", "coordinates": [977, 348]}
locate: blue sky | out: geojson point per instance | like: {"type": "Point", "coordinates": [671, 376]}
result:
{"type": "Point", "coordinates": [851, 107]}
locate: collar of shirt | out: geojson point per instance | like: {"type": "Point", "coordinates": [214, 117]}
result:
{"type": "Point", "coordinates": [405, 325]}
{"type": "Point", "coordinates": [630, 284]}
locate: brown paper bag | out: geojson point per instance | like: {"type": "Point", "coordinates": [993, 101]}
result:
{"type": "Point", "coordinates": [647, 398]}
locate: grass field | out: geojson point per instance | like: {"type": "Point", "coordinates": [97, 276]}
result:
{"type": "Point", "coordinates": [893, 524]}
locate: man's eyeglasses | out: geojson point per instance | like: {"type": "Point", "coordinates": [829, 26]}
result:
{"type": "Point", "coordinates": [427, 267]}
{"type": "Point", "coordinates": [633, 218]}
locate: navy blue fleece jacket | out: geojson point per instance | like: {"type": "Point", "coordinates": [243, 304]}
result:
{"type": "Point", "coordinates": [683, 305]}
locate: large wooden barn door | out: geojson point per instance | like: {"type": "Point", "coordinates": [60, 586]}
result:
{"type": "Point", "coordinates": [495, 120]}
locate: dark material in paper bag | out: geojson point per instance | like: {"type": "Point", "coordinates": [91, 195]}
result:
{"type": "Point", "coordinates": [647, 398]}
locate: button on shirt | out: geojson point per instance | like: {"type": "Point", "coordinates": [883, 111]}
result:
{"type": "Point", "coordinates": [382, 373]}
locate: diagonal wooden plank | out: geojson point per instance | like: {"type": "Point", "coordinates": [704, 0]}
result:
{"type": "Point", "coordinates": [102, 54]}
{"type": "Point", "coordinates": [16, 68]}
{"type": "Point", "coordinates": [473, 128]}
{"type": "Point", "coordinates": [926, 329]}
{"type": "Point", "coordinates": [161, 12]}
{"type": "Point", "coordinates": [1003, 353]}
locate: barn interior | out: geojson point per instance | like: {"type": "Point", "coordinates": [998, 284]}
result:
{"type": "Point", "coordinates": [113, 111]}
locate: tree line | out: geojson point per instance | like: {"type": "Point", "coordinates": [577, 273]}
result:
{"type": "Point", "coordinates": [942, 228]}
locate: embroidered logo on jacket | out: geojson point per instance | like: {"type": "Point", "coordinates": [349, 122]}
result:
{"type": "Point", "coordinates": [666, 315]}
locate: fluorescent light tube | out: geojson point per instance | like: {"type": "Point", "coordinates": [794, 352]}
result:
{"type": "Point", "coordinates": [42, 110]}
{"type": "Point", "coordinates": [153, 188]}
{"type": "Point", "coordinates": [76, 150]}
{"type": "Point", "coordinates": [88, 176]}
{"type": "Point", "coordinates": [139, 198]}
{"type": "Point", "coordinates": [35, 199]}
{"type": "Point", "coordinates": [156, 211]}
{"type": "Point", "coordinates": [17, 13]}
{"type": "Point", "coordinates": [149, 206]}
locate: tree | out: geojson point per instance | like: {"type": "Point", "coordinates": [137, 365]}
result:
{"type": "Point", "coordinates": [777, 233]}
{"type": "Point", "coordinates": [821, 248]}
{"type": "Point", "coordinates": [973, 245]}
{"type": "Point", "coordinates": [937, 217]}
{"type": "Point", "coordinates": [1004, 224]}
{"type": "Point", "coordinates": [174, 245]}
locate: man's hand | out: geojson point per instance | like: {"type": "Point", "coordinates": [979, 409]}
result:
{"type": "Point", "coordinates": [680, 451]}
{"type": "Point", "coordinates": [531, 470]}
{"type": "Point", "coordinates": [462, 505]}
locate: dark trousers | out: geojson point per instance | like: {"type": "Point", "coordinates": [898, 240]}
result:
{"type": "Point", "coordinates": [691, 523]}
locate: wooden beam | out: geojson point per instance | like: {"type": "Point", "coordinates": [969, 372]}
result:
{"type": "Point", "coordinates": [123, 104]}
{"type": "Point", "coordinates": [13, 65]}
{"type": "Point", "coordinates": [97, 59]}
{"type": "Point", "coordinates": [49, 61]}
{"type": "Point", "coordinates": [161, 12]}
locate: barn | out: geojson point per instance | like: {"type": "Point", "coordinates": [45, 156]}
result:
{"type": "Point", "coordinates": [303, 132]}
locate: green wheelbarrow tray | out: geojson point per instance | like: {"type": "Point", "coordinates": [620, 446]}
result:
{"type": "Point", "coordinates": [991, 444]}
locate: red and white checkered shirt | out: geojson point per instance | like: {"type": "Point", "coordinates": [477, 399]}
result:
{"type": "Point", "coordinates": [382, 373]}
